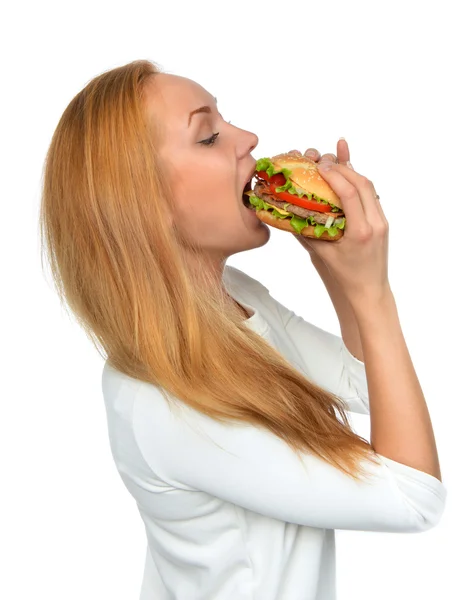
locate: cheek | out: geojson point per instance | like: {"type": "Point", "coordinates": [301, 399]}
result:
{"type": "Point", "coordinates": [209, 192]}
{"type": "Point", "coordinates": [205, 206]}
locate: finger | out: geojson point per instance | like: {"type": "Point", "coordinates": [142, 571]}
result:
{"type": "Point", "coordinates": [313, 154]}
{"type": "Point", "coordinates": [343, 156]}
{"type": "Point", "coordinates": [380, 209]}
{"type": "Point", "coordinates": [351, 202]}
{"type": "Point", "coordinates": [328, 156]}
{"type": "Point", "coordinates": [370, 202]}
{"type": "Point", "coordinates": [345, 178]}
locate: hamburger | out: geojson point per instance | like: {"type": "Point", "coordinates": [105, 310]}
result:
{"type": "Point", "coordinates": [291, 195]}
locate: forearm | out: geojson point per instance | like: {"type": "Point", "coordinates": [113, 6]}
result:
{"type": "Point", "coordinates": [345, 313]}
{"type": "Point", "coordinates": [400, 422]}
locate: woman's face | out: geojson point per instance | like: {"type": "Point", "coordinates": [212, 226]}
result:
{"type": "Point", "coordinates": [207, 177]}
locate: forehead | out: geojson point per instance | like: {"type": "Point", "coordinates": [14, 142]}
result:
{"type": "Point", "coordinates": [171, 98]}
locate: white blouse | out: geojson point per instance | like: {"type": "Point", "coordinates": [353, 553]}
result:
{"type": "Point", "coordinates": [230, 512]}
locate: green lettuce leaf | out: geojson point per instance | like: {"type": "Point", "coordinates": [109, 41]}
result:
{"type": "Point", "coordinates": [319, 229]}
{"type": "Point", "coordinates": [265, 164]}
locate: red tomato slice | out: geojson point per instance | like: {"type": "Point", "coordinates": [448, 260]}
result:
{"type": "Point", "coordinates": [303, 202]}
{"type": "Point", "coordinates": [278, 179]}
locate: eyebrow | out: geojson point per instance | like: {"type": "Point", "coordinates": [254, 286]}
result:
{"type": "Point", "coordinates": [201, 109]}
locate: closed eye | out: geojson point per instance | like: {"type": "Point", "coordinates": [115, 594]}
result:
{"type": "Point", "coordinates": [210, 141]}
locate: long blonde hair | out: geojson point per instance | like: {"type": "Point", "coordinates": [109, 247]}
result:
{"type": "Point", "coordinates": [124, 273]}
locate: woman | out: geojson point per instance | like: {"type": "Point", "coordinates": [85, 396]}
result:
{"type": "Point", "coordinates": [227, 411]}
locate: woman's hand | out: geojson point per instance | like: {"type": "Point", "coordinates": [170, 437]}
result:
{"type": "Point", "coordinates": [358, 261]}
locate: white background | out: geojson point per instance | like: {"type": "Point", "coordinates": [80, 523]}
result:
{"type": "Point", "coordinates": [394, 79]}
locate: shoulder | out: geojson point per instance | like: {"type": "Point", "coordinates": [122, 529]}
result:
{"type": "Point", "coordinates": [242, 279]}
{"type": "Point", "coordinates": [113, 379]}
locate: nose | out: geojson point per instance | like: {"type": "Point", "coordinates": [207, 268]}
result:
{"type": "Point", "coordinates": [253, 140]}
{"type": "Point", "coordinates": [247, 142]}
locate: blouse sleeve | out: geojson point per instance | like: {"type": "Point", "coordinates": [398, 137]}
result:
{"type": "Point", "coordinates": [255, 469]}
{"type": "Point", "coordinates": [327, 360]}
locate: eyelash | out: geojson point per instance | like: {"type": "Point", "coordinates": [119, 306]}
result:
{"type": "Point", "coordinates": [210, 141]}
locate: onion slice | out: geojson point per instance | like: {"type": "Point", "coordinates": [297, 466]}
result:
{"type": "Point", "coordinates": [329, 222]}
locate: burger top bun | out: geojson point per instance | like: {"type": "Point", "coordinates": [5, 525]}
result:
{"type": "Point", "coordinates": [305, 174]}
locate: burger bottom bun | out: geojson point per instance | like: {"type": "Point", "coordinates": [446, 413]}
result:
{"type": "Point", "coordinates": [284, 224]}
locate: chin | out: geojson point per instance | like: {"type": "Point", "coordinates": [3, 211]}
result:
{"type": "Point", "coordinates": [255, 235]}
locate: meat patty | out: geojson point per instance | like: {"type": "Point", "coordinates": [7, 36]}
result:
{"type": "Point", "coordinates": [263, 192]}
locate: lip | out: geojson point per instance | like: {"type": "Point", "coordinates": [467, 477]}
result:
{"type": "Point", "coordinates": [250, 176]}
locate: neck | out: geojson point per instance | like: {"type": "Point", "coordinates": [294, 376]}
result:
{"type": "Point", "coordinates": [214, 269]}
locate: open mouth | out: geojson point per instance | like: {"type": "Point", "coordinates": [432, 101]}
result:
{"type": "Point", "coordinates": [245, 197]}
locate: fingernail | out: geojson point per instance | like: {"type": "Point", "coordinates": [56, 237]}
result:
{"type": "Point", "coordinates": [325, 165]}
{"type": "Point", "coordinates": [342, 139]}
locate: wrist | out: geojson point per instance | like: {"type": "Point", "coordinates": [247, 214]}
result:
{"type": "Point", "coordinates": [372, 302]}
